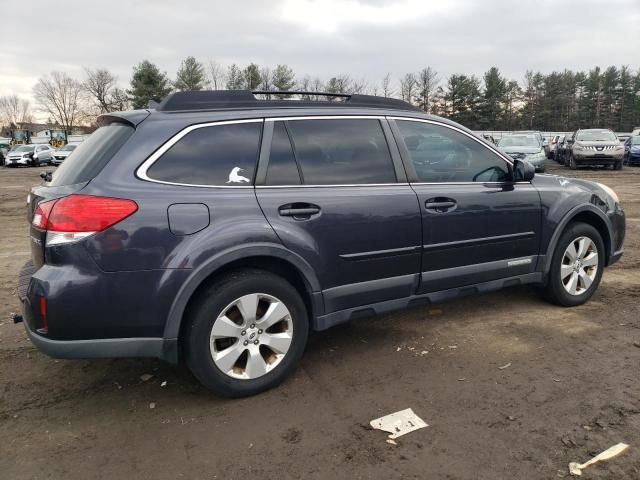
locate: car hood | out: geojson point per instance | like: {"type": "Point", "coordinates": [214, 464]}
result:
{"type": "Point", "coordinates": [17, 154]}
{"type": "Point", "coordinates": [521, 149]}
{"type": "Point", "coordinates": [63, 153]}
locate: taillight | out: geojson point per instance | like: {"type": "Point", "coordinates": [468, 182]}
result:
{"type": "Point", "coordinates": [75, 217]}
{"type": "Point", "coordinates": [44, 321]}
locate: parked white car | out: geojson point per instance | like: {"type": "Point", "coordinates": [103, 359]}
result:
{"type": "Point", "coordinates": [29, 156]}
{"type": "Point", "coordinates": [60, 155]}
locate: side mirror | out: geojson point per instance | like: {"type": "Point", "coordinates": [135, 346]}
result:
{"type": "Point", "coordinates": [523, 171]}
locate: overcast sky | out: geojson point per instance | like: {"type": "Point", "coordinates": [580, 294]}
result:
{"type": "Point", "coordinates": [362, 38]}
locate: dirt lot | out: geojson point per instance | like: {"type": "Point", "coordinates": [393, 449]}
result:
{"type": "Point", "coordinates": [571, 390]}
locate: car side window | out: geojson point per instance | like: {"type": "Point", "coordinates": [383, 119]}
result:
{"type": "Point", "coordinates": [440, 154]}
{"type": "Point", "coordinates": [341, 151]}
{"type": "Point", "coordinates": [282, 168]}
{"type": "Point", "coordinates": [219, 155]}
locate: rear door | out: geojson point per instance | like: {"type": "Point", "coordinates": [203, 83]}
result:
{"type": "Point", "coordinates": [335, 192]}
{"type": "Point", "coordinates": [478, 225]}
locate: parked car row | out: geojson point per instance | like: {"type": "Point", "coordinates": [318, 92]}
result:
{"type": "Point", "coordinates": [35, 155]}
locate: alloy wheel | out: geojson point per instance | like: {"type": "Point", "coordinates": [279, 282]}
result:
{"type": "Point", "coordinates": [251, 336]}
{"type": "Point", "coordinates": [579, 265]}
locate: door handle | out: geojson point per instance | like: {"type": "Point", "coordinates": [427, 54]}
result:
{"type": "Point", "coordinates": [440, 205]}
{"type": "Point", "coordinates": [299, 211]}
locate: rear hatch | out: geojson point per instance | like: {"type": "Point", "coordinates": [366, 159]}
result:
{"type": "Point", "coordinates": [88, 159]}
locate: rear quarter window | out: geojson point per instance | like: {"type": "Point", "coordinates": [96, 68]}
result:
{"type": "Point", "coordinates": [217, 155]}
{"type": "Point", "coordinates": [91, 156]}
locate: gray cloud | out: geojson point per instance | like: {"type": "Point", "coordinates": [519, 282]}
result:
{"type": "Point", "coordinates": [365, 38]}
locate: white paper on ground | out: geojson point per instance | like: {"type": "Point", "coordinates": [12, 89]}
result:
{"type": "Point", "coordinates": [576, 468]}
{"type": "Point", "coordinates": [399, 423]}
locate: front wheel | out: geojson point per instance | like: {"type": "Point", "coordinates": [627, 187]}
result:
{"type": "Point", "coordinates": [576, 267]}
{"type": "Point", "coordinates": [617, 165]}
{"type": "Point", "coordinates": [247, 333]}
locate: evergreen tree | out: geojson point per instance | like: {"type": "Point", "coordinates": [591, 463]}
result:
{"type": "Point", "coordinates": [235, 78]}
{"type": "Point", "coordinates": [283, 79]}
{"type": "Point", "coordinates": [190, 76]}
{"type": "Point", "coordinates": [148, 83]}
{"type": "Point", "coordinates": [252, 77]}
{"type": "Point", "coordinates": [494, 100]}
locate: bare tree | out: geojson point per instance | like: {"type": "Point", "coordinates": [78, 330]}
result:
{"type": "Point", "coordinates": [100, 85]}
{"type": "Point", "coordinates": [266, 78]}
{"type": "Point", "coordinates": [60, 96]}
{"type": "Point", "coordinates": [359, 86]}
{"type": "Point", "coordinates": [317, 85]}
{"type": "Point", "coordinates": [15, 111]}
{"type": "Point", "coordinates": [426, 83]}
{"type": "Point", "coordinates": [387, 91]}
{"type": "Point", "coordinates": [119, 100]}
{"type": "Point", "coordinates": [408, 87]}
{"type": "Point", "coordinates": [216, 75]}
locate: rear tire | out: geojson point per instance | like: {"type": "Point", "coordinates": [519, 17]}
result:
{"type": "Point", "coordinates": [576, 266]}
{"type": "Point", "coordinates": [235, 359]}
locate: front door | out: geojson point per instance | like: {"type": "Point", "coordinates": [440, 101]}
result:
{"type": "Point", "coordinates": [478, 225]}
{"type": "Point", "coordinates": [331, 193]}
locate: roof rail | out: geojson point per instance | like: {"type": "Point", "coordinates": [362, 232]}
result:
{"type": "Point", "coordinates": [232, 99]}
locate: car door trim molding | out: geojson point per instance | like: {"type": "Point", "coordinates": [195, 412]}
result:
{"type": "Point", "coordinates": [479, 240]}
{"type": "Point", "coordinates": [380, 253]}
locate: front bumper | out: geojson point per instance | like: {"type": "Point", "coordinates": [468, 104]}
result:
{"type": "Point", "coordinates": [597, 159]}
{"type": "Point", "coordinates": [10, 162]}
{"type": "Point", "coordinates": [634, 159]}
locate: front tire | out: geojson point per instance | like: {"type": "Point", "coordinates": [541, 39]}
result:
{"type": "Point", "coordinates": [617, 165]}
{"type": "Point", "coordinates": [576, 266]}
{"type": "Point", "coordinates": [246, 333]}
{"type": "Point", "coordinates": [572, 162]}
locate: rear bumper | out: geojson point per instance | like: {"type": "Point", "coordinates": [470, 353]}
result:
{"type": "Point", "coordinates": [102, 348]}
{"type": "Point", "coordinates": [83, 323]}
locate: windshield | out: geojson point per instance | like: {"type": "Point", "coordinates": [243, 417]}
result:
{"type": "Point", "coordinates": [67, 148]}
{"type": "Point", "coordinates": [635, 140]}
{"type": "Point", "coordinates": [25, 148]}
{"type": "Point", "coordinates": [519, 141]}
{"type": "Point", "coordinates": [596, 136]}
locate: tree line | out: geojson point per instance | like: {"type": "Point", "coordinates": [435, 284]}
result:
{"type": "Point", "coordinates": [556, 101]}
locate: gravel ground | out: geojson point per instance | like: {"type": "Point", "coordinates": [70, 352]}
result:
{"type": "Point", "coordinates": [570, 390]}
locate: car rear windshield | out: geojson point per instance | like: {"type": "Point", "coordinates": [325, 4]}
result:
{"type": "Point", "coordinates": [91, 156]}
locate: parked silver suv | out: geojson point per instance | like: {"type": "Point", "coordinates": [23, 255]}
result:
{"type": "Point", "coordinates": [596, 147]}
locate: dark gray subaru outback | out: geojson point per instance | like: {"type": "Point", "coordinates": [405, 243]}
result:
{"type": "Point", "coordinates": [220, 228]}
